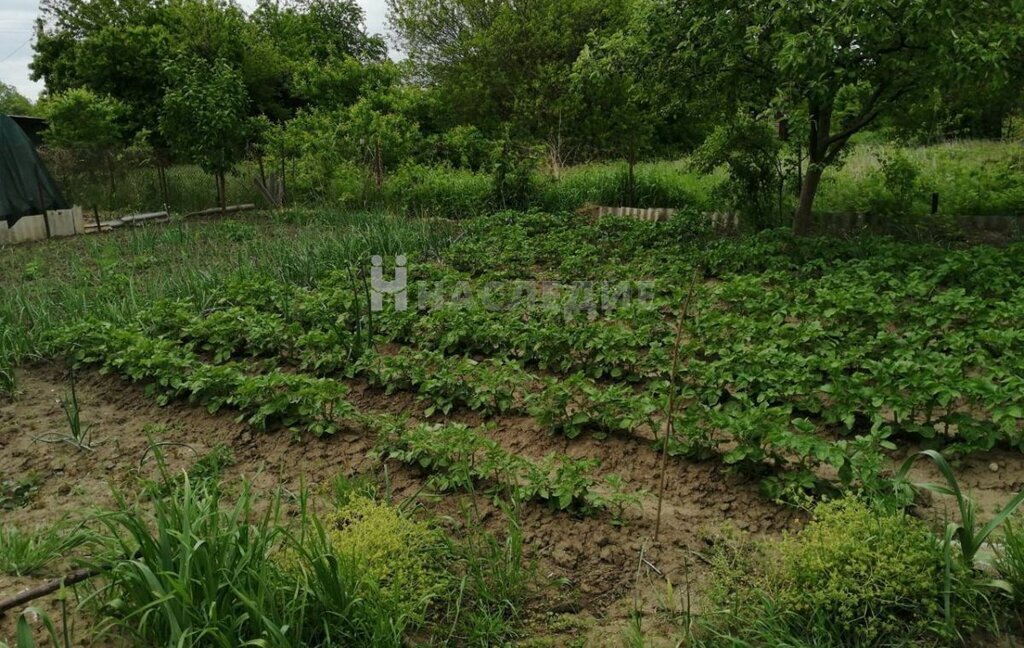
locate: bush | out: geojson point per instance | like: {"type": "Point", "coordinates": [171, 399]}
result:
{"type": "Point", "coordinates": [874, 576]}
{"type": "Point", "coordinates": [855, 576]}
{"type": "Point", "coordinates": [437, 191]}
{"type": "Point", "coordinates": [394, 551]}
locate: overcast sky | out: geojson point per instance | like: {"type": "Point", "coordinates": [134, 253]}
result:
{"type": "Point", "coordinates": [18, 16]}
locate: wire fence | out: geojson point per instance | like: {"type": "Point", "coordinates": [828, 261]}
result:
{"type": "Point", "coordinates": [112, 183]}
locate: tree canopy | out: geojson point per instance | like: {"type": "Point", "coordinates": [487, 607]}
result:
{"type": "Point", "coordinates": [579, 79]}
{"type": "Point", "coordinates": [13, 102]}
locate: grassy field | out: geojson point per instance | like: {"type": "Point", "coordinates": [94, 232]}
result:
{"type": "Point", "coordinates": [563, 401]}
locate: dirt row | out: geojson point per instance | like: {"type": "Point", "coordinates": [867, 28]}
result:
{"type": "Point", "coordinates": [598, 571]}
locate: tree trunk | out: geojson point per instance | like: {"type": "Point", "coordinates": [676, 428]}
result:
{"type": "Point", "coordinates": [817, 153]}
{"type": "Point", "coordinates": [631, 183]}
{"type": "Point", "coordinates": [222, 199]}
{"type": "Point", "coordinates": [803, 220]}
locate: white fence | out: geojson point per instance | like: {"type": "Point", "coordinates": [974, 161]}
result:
{"type": "Point", "coordinates": [56, 223]}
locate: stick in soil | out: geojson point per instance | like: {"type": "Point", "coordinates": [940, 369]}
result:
{"type": "Point", "coordinates": [670, 429]}
{"type": "Point", "coordinates": [48, 587]}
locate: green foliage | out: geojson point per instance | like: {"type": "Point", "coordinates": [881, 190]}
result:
{"type": "Point", "coordinates": [503, 64]}
{"type": "Point", "coordinates": [12, 102]}
{"type": "Point", "coordinates": [491, 387]}
{"type": "Point", "coordinates": [206, 574]}
{"type": "Point", "coordinates": [205, 114]}
{"type": "Point", "coordinates": [205, 471]}
{"type": "Point", "coordinates": [493, 580]}
{"type": "Point", "coordinates": [833, 78]}
{"type": "Point", "coordinates": [8, 380]}
{"type": "Point", "coordinates": [1010, 558]}
{"type": "Point", "coordinates": [297, 402]}
{"type": "Point", "coordinates": [25, 637]}
{"type": "Point", "coordinates": [968, 532]}
{"type": "Point", "coordinates": [855, 576]}
{"type": "Point", "coordinates": [571, 405]}
{"type": "Point", "coordinates": [753, 155]}
{"type": "Point", "coordinates": [394, 551]}
{"type": "Point", "coordinates": [460, 458]}
{"type": "Point", "coordinates": [25, 552]}
{"type": "Point", "coordinates": [83, 119]}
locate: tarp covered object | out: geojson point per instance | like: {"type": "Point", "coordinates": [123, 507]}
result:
{"type": "Point", "coordinates": [26, 187]}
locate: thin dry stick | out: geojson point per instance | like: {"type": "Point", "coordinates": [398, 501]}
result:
{"type": "Point", "coordinates": [48, 587]}
{"type": "Point", "coordinates": [672, 398]}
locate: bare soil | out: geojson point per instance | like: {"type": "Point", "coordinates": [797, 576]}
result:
{"type": "Point", "coordinates": [596, 571]}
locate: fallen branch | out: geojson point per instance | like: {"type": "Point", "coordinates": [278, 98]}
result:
{"type": "Point", "coordinates": [48, 587]}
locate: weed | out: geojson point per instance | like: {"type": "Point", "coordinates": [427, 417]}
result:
{"type": "Point", "coordinates": [1010, 559]}
{"type": "Point", "coordinates": [18, 493]}
{"type": "Point", "coordinates": [24, 552]}
{"type": "Point", "coordinates": [219, 576]}
{"type": "Point", "coordinates": [491, 585]}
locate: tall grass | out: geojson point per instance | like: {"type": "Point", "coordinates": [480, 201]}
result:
{"type": "Point", "coordinates": [202, 573]}
{"type": "Point", "coordinates": [493, 584]}
{"type": "Point", "coordinates": [972, 178]}
{"type": "Point", "coordinates": [658, 184]}
{"type": "Point", "coordinates": [24, 552]}
{"type": "Point", "coordinates": [133, 186]}
{"type": "Point", "coordinates": [1010, 561]}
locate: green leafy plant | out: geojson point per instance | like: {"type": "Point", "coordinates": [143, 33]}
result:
{"type": "Point", "coordinates": [492, 582]}
{"type": "Point", "coordinates": [203, 572]}
{"type": "Point", "coordinates": [1010, 558]}
{"type": "Point", "coordinates": [856, 575]}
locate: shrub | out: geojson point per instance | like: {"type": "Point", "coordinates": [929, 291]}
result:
{"type": "Point", "coordinates": [395, 552]}
{"type": "Point", "coordinates": [873, 575]}
{"type": "Point", "coordinates": [854, 576]}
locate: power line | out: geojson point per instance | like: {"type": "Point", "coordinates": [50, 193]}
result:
{"type": "Point", "coordinates": [16, 50]}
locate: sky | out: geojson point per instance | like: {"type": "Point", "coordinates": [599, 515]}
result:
{"type": "Point", "coordinates": [17, 18]}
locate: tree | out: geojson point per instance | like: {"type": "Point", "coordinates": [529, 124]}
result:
{"type": "Point", "coordinates": [122, 49]}
{"type": "Point", "coordinates": [616, 114]}
{"type": "Point", "coordinates": [12, 102]}
{"type": "Point", "coordinates": [205, 117]}
{"type": "Point", "coordinates": [89, 125]}
{"type": "Point", "coordinates": [503, 62]}
{"type": "Point", "coordinates": [318, 30]}
{"type": "Point", "coordinates": [842, 64]}
{"type": "Point", "coordinates": [82, 119]}
{"type": "Point", "coordinates": [114, 48]}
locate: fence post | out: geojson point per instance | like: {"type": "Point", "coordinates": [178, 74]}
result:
{"type": "Point", "coordinates": [935, 203]}
{"type": "Point", "coordinates": [42, 199]}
